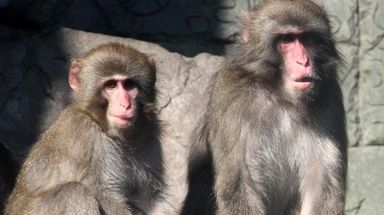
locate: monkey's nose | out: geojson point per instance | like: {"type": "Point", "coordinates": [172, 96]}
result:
{"type": "Point", "coordinates": [125, 106]}
{"type": "Point", "coordinates": [304, 63]}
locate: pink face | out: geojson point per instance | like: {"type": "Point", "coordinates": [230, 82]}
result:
{"type": "Point", "coordinates": [121, 94]}
{"type": "Point", "coordinates": [298, 65]}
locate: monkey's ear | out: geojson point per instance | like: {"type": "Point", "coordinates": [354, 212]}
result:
{"type": "Point", "coordinates": [151, 58]}
{"type": "Point", "coordinates": [73, 76]}
{"type": "Point", "coordinates": [246, 33]}
{"type": "Point", "coordinates": [245, 36]}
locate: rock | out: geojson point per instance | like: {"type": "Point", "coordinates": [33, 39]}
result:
{"type": "Point", "coordinates": [366, 173]}
{"type": "Point", "coordinates": [371, 96]}
{"type": "Point", "coordinates": [34, 14]}
{"type": "Point", "coordinates": [347, 37]}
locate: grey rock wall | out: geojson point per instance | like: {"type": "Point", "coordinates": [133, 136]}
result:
{"type": "Point", "coordinates": [366, 188]}
{"type": "Point", "coordinates": [187, 38]}
{"type": "Point", "coordinates": [371, 56]}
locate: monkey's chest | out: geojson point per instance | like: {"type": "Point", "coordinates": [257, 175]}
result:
{"type": "Point", "coordinates": [136, 183]}
{"type": "Point", "coordinates": [278, 163]}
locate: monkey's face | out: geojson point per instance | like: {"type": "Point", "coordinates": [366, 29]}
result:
{"type": "Point", "coordinates": [121, 94]}
{"type": "Point", "coordinates": [307, 60]}
{"type": "Point", "coordinates": [298, 73]}
{"type": "Point", "coordinates": [115, 84]}
{"type": "Point", "coordinates": [294, 39]}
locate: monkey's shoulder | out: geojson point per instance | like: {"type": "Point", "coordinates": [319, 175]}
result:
{"type": "Point", "coordinates": [71, 131]}
{"type": "Point", "coordinates": [240, 89]}
{"type": "Point", "coordinates": [71, 122]}
{"type": "Point", "coordinates": [239, 80]}
{"type": "Point", "coordinates": [63, 153]}
{"type": "Point", "coordinates": [231, 77]}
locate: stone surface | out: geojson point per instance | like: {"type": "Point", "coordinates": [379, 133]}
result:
{"type": "Point", "coordinates": [344, 22]}
{"type": "Point", "coordinates": [39, 14]}
{"type": "Point", "coordinates": [366, 187]}
{"type": "Point", "coordinates": [32, 79]}
{"type": "Point", "coordinates": [371, 83]}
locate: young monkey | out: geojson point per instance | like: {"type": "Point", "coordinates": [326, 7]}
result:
{"type": "Point", "coordinates": [103, 154]}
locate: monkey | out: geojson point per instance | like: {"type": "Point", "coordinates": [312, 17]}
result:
{"type": "Point", "coordinates": [103, 155]}
{"type": "Point", "coordinates": [272, 139]}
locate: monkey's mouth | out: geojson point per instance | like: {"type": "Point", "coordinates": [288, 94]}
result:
{"type": "Point", "coordinates": [305, 79]}
{"type": "Point", "coordinates": [120, 120]}
{"type": "Point", "coordinates": [303, 83]}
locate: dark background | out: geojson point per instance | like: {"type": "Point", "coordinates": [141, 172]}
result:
{"type": "Point", "coordinates": [185, 26]}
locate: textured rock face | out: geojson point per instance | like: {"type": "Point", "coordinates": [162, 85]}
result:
{"type": "Point", "coordinates": [371, 55]}
{"type": "Point", "coordinates": [366, 173]}
{"type": "Point", "coordinates": [34, 89]}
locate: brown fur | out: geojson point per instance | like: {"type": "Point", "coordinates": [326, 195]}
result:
{"type": "Point", "coordinates": [82, 165]}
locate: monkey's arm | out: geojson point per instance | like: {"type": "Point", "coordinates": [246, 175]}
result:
{"type": "Point", "coordinates": [63, 154]}
{"type": "Point", "coordinates": [200, 198]}
{"type": "Point", "coordinates": [233, 114]}
{"type": "Point", "coordinates": [52, 174]}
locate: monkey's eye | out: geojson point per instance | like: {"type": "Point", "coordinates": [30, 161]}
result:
{"type": "Point", "coordinates": [110, 84]}
{"type": "Point", "coordinates": [312, 38]}
{"type": "Point", "coordinates": [287, 38]}
{"type": "Point", "coordinates": [129, 84]}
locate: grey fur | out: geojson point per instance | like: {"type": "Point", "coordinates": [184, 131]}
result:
{"type": "Point", "coordinates": [260, 150]}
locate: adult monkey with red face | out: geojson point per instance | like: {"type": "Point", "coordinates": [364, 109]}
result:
{"type": "Point", "coordinates": [103, 154]}
{"type": "Point", "coordinates": [273, 139]}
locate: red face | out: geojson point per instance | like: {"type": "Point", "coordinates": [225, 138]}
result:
{"type": "Point", "coordinates": [121, 94]}
{"type": "Point", "coordinates": [297, 63]}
